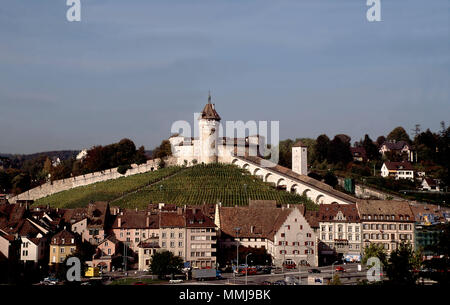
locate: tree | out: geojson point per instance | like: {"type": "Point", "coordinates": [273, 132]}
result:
{"type": "Point", "coordinates": [371, 149]}
{"type": "Point", "coordinates": [339, 151]}
{"type": "Point", "coordinates": [122, 169]}
{"type": "Point", "coordinates": [165, 263]}
{"type": "Point", "coordinates": [380, 140]}
{"type": "Point", "coordinates": [374, 250]}
{"type": "Point", "coordinates": [336, 280]}
{"type": "Point", "coordinates": [163, 150]}
{"type": "Point", "coordinates": [398, 134]}
{"type": "Point", "coordinates": [402, 263]}
{"type": "Point", "coordinates": [331, 179]}
{"type": "Point", "coordinates": [140, 157]}
{"type": "Point", "coordinates": [321, 147]}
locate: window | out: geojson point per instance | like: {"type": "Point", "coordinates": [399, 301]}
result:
{"type": "Point", "coordinates": [62, 250]}
{"type": "Point", "coordinates": [180, 244]}
{"type": "Point", "coordinates": [163, 244]}
{"type": "Point", "coordinates": [349, 228]}
{"type": "Point", "coordinates": [172, 235]}
{"type": "Point", "coordinates": [356, 229]}
{"type": "Point", "coordinates": [172, 244]}
{"type": "Point", "coordinates": [180, 235]}
{"type": "Point", "coordinates": [349, 236]}
{"type": "Point", "coordinates": [163, 235]}
{"type": "Point", "coordinates": [136, 239]}
{"type": "Point", "coordinates": [330, 236]}
{"type": "Point", "coordinates": [357, 237]}
{"type": "Point", "coordinates": [283, 235]}
{"type": "Point", "coordinates": [323, 236]}
{"type": "Point", "coordinates": [323, 228]}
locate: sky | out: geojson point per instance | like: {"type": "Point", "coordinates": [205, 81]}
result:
{"type": "Point", "coordinates": [132, 68]}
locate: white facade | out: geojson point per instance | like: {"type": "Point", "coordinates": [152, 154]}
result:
{"type": "Point", "coordinates": [32, 249]}
{"type": "Point", "coordinates": [299, 160]}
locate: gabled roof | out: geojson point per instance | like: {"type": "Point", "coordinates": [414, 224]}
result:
{"type": "Point", "coordinates": [63, 238]}
{"type": "Point", "coordinates": [328, 212]}
{"type": "Point", "coordinates": [132, 219]}
{"type": "Point", "coordinates": [299, 144]}
{"type": "Point", "coordinates": [395, 145]}
{"type": "Point", "coordinates": [398, 165]}
{"type": "Point", "coordinates": [172, 220]}
{"type": "Point", "coordinates": [385, 207]}
{"type": "Point", "coordinates": [253, 222]}
{"type": "Point", "coordinates": [196, 219]}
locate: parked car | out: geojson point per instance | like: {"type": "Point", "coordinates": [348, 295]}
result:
{"type": "Point", "coordinates": [314, 271]}
{"type": "Point", "coordinates": [280, 282]}
{"type": "Point", "coordinates": [248, 271]}
{"type": "Point", "coordinates": [339, 269]}
{"type": "Point", "coordinates": [266, 283]}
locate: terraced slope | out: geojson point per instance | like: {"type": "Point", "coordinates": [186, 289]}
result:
{"type": "Point", "coordinates": [210, 184]}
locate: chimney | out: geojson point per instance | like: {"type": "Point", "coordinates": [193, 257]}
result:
{"type": "Point", "coordinates": [252, 229]}
{"type": "Point", "coordinates": [147, 222]}
{"type": "Point", "coordinates": [119, 222]}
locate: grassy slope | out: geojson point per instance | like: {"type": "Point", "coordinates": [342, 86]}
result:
{"type": "Point", "coordinates": [195, 185]}
{"type": "Point", "coordinates": [104, 191]}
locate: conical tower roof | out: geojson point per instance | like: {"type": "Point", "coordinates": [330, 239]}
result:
{"type": "Point", "coordinates": [208, 112]}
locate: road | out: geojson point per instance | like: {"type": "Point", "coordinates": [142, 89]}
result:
{"type": "Point", "coordinates": [298, 275]}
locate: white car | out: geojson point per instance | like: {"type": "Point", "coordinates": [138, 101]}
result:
{"type": "Point", "coordinates": [175, 281]}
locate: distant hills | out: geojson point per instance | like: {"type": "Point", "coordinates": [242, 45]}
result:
{"type": "Point", "coordinates": [61, 154]}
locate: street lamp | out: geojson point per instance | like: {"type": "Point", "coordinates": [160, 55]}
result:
{"type": "Point", "coordinates": [237, 229]}
{"type": "Point", "coordinates": [332, 269]}
{"type": "Point", "coordinates": [246, 269]}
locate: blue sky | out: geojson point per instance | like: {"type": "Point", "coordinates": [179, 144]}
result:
{"type": "Point", "coordinates": [131, 68]}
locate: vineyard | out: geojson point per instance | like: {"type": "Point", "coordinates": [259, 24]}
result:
{"type": "Point", "coordinates": [195, 185]}
{"type": "Point", "coordinates": [211, 183]}
{"type": "Point", "coordinates": [106, 190]}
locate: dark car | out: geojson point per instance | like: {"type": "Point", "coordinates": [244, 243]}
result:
{"type": "Point", "coordinates": [266, 283]}
{"type": "Point", "coordinates": [314, 271]}
{"type": "Point", "coordinates": [280, 282]}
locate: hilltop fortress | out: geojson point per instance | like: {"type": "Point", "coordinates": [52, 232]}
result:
{"type": "Point", "coordinates": [210, 148]}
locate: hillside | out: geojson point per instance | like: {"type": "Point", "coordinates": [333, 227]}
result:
{"type": "Point", "coordinates": [106, 190]}
{"type": "Point", "coordinates": [194, 185]}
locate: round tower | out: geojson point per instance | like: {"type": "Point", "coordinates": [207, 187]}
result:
{"type": "Point", "coordinates": [209, 122]}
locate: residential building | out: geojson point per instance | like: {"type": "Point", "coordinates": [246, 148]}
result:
{"type": "Point", "coordinates": [172, 232]}
{"type": "Point", "coordinates": [386, 222]}
{"type": "Point", "coordinates": [340, 231]}
{"type": "Point", "coordinates": [398, 170]}
{"type": "Point", "coordinates": [133, 226]}
{"type": "Point", "coordinates": [62, 244]}
{"type": "Point", "coordinates": [283, 231]}
{"type": "Point", "coordinates": [358, 154]}
{"type": "Point", "coordinates": [106, 253]}
{"type": "Point", "coordinates": [147, 249]}
{"type": "Point", "coordinates": [429, 184]}
{"type": "Point", "coordinates": [201, 239]}
{"type": "Point", "coordinates": [399, 148]}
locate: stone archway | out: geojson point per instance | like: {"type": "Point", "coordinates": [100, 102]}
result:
{"type": "Point", "coordinates": [246, 166]}
{"type": "Point", "coordinates": [319, 197]}
{"type": "Point", "coordinates": [294, 188]}
{"type": "Point", "coordinates": [281, 183]}
{"type": "Point", "coordinates": [235, 161]}
{"type": "Point", "coordinates": [266, 178]}
{"type": "Point", "coordinates": [305, 192]}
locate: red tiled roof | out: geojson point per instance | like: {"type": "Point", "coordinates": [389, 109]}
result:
{"type": "Point", "coordinates": [327, 212]}
{"type": "Point", "coordinates": [384, 207]}
{"type": "Point", "coordinates": [63, 238]}
{"type": "Point", "coordinates": [398, 165]}
{"type": "Point", "coordinates": [171, 220]}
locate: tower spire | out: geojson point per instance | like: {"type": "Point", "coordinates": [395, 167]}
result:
{"type": "Point", "coordinates": [209, 96]}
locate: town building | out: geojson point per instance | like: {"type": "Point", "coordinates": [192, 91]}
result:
{"type": "Point", "coordinates": [132, 226]}
{"type": "Point", "coordinates": [282, 231]}
{"type": "Point", "coordinates": [429, 184]}
{"type": "Point", "coordinates": [62, 244]}
{"type": "Point", "coordinates": [147, 249]}
{"type": "Point", "coordinates": [340, 232]}
{"type": "Point", "coordinates": [399, 148]}
{"type": "Point", "coordinates": [386, 222]}
{"type": "Point", "coordinates": [358, 154]}
{"type": "Point", "coordinates": [106, 253]}
{"type": "Point", "coordinates": [398, 170]}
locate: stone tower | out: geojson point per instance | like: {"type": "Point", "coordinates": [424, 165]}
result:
{"type": "Point", "coordinates": [300, 158]}
{"type": "Point", "coordinates": [209, 122]}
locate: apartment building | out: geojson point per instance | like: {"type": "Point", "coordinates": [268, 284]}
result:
{"type": "Point", "coordinates": [133, 226]}
{"type": "Point", "coordinates": [172, 232]}
{"type": "Point", "coordinates": [62, 244]}
{"type": "Point", "coordinates": [386, 222]}
{"type": "Point", "coordinates": [201, 239]}
{"type": "Point", "coordinates": [340, 231]}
